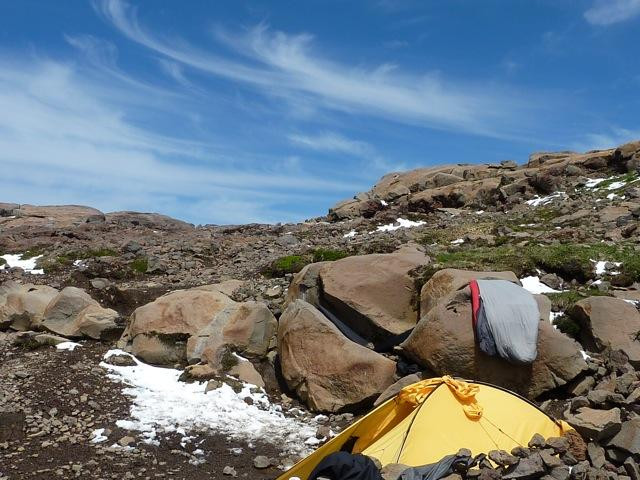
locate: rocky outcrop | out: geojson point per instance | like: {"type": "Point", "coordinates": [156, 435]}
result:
{"type": "Point", "coordinates": [607, 322]}
{"type": "Point", "coordinates": [201, 324]}
{"type": "Point", "coordinates": [326, 370]}
{"type": "Point", "coordinates": [74, 314]}
{"type": "Point", "coordinates": [246, 328]}
{"type": "Point", "coordinates": [455, 186]}
{"type": "Point", "coordinates": [22, 307]}
{"type": "Point", "coordinates": [444, 342]}
{"type": "Point", "coordinates": [373, 294]}
{"type": "Point", "coordinates": [58, 216]}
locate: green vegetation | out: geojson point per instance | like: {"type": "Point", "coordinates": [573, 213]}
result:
{"type": "Point", "coordinates": [570, 261]}
{"type": "Point", "coordinates": [294, 263]}
{"type": "Point", "coordinates": [2, 261]}
{"type": "Point", "coordinates": [626, 178]}
{"type": "Point", "coordinates": [563, 301]}
{"type": "Point", "coordinates": [32, 252]}
{"type": "Point", "coordinates": [139, 265]}
{"type": "Point", "coordinates": [568, 326]}
{"type": "Point", "coordinates": [69, 257]}
{"type": "Point", "coordinates": [228, 360]}
{"type": "Point", "coordinates": [328, 255]}
{"type": "Point", "coordinates": [288, 264]}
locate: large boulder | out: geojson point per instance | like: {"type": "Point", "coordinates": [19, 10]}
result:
{"type": "Point", "coordinates": [374, 294]}
{"type": "Point", "coordinates": [444, 342]}
{"type": "Point", "coordinates": [447, 281]}
{"type": "Point", "coordinates": [158, 331]}
{"type": "Point", "coordinates": [22, 307]}
{"type": "Point", "coordinates": [245, 328]}
{"type": "Point", "coordinates": [73, 313]}
{"type": "Point", "coordinates": [607, 322]}
{"type": "Point", "coordinates": [328, 371]}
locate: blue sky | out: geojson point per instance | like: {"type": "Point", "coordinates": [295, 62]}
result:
{"type": "Point", "coordinates": [233, 112]}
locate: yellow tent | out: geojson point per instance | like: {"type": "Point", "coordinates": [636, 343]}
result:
{"type": "Point", "coordinates": [437, 417]}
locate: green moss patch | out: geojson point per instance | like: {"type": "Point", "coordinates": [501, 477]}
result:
{"type": "Point", "coordinates": [328, 255]}
{"type": "Point", "coordinates": [570, 261]}
{"type": "Point", "coordinates": [139, 265]}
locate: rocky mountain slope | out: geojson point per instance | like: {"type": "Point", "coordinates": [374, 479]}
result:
{"type": "Point", "coordinates": [137, 340]}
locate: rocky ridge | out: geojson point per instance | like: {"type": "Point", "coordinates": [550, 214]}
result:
{"type": "Point", "coordinates": [330, 314]}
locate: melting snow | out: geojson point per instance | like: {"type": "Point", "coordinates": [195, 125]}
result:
{"type": "Point", "coordinates": [585, 356]}
{"type": "Point", "coordinates": [616, 185]}
{"type": "Point", "coordinates": [594, 182]}
{"type": "Point", "coordinates": [383, 203]}
{"type": "Point", "coordinates": [351, 234]}
{"type": "Point", "coordinates": [534, 285]}
{"type": "Point", "coordinates": [162, 403]}
{"type": "Point", "coordinates": [28, 265]}
{"type": "Point", "coordinates": [457, 241]}
{"type": "Point", "coordinates": [70, 346]}
{"type": "Point", "coordinates": [600, 267]}
{"type": "Point", "coordinates": [97, 436]}
{"type": "Point", "coordinates": [537, 201]}
{"type": "Point", "coordinates": [402, 223]}
{"type": "Point", "coordinates": [553, 316]}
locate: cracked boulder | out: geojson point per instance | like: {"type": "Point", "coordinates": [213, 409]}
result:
{"type": "Point", "coordinates": [328, 371]}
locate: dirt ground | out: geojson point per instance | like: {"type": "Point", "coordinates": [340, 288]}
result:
{"type": "Point", "coordinates": [51, 402]}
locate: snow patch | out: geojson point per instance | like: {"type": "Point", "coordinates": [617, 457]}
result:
{"type": "Point", "coordinates": [351, 234]}
{"type": "Point", "coordinates": [585, 355]}
{"type": "Point", "coordinates": [457, 241]}
{"type": "Point", "coordinates": [97, 436]}
{"type": "Point", "coordinates": [383, 203]}
{"type": "Point", "coordinates": [553, 316]}
{"type": "Point", "coordinates": [163, 404]}
{"type": "Point", "coordinates": [616, 185]}
{"type": "Point", "coordinates": [594, 182]}
{"type": "Point", "coordinates": [401, 223]}
{"type": "Point", "coordinates": [600, 267]}
{"type": "Point", "coordinates": [535, 286]}
{"type": "Point", "coordinates": [70, 346]}
{"type": "Point", "coordinates": [537, 200]}
{"type": "Point", "coordinates": [28, 265]}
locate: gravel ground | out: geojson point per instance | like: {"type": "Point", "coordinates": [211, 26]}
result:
{"type": "Point", "coordinates": [52, 401]}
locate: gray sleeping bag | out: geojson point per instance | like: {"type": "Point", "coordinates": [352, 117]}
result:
{"type": "Point", "coordinates": [508, 321]}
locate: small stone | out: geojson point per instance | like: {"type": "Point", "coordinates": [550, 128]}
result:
{"type": "Point", "coordinates": [527, 468]}
{"type": "Point", "coordinates": [558, 444]}
{"type": "Point", "coordinates": [502, 458]}
{"type": "Point", "coordinates": [229, 471]}
{"type": "Point", "coordinates": [596, 455]}
{"type": "Point", "coordinates": [126, 441]}
{"type": "Point", "coordinates": [549, 459]}
{"type": "Point", "coordinates": [537, 441]}
{"type": "Point", "coordinates": [261, 462]}
{"type": "Point", "coordinates": [628, 439]}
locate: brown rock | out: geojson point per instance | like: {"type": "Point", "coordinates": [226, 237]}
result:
{"type": "Point", "coordinates": [446, 282]}
{"type": "Point", "coordinates": [373, 294]}
{"type": "Point", "coordinates": [628, 439]}
{"type": "Point", "coordinates": [443, 341]}
{"type": "Point", "coordinates": [595, 424]}
{"type": "Point", "coordinates": [327, 370]}
{"type": "Point", "coordinates": [608, 322]}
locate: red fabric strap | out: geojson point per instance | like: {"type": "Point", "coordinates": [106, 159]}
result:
{"type": "Point", "coordinates": [475, 303]}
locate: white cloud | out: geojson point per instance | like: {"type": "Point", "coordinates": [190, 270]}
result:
{"type": "Point", "coordinates": [333, 142]}
{"type": "Point", "coordinates": [66, 139]}
{"type": "Point", "coordinates": [608, 12]}
{"type": "Point", "coordinates": [278, 64]}
{"type": "Point", "coordinates": [606, 139]}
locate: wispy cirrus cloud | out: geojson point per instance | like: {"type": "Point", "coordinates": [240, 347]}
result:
{"type": "Point", "coordinates": [278, 64]}
{"type": "Point", "coordinates": [609, 12]}
{"type": "Point", "coordinates": [66, 139]}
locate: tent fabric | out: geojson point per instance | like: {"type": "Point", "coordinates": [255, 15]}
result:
{"type": "Point", "coordinates": [346, 466]}
{"type": "Point", "coordinates": [507, 322]}
{"type": "Point", "coordinates": [431, 419]}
